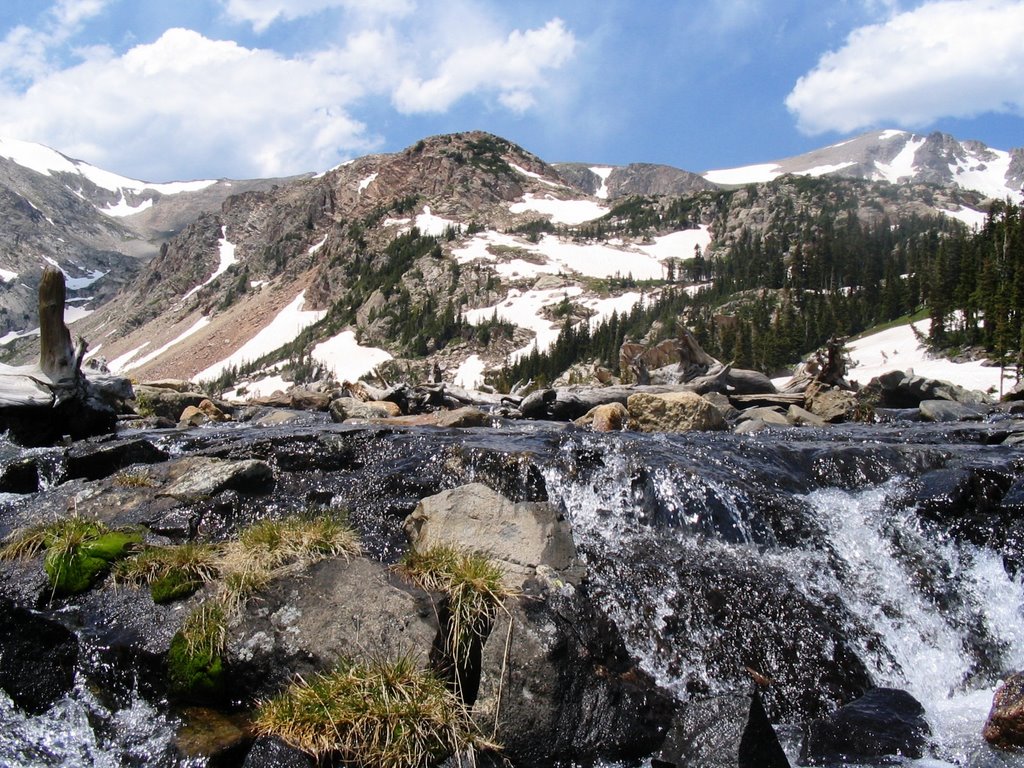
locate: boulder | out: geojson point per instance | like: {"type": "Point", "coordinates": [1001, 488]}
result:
{"type": "Point", "coordinates": [272, 753]}
{"type": "Point", "coordinates": [343, 408]}
{"type": "Point", "coordinates": [303, 624]}
{"type": "Point", "coordinates": [884, 722]}
{"type": "Point", "coordinates": [948, 410]}
{"type": "Point", "coordinates": [210, 737]}
{"type": "Point", "coordinates": [519, 536]}
{"type": "Point", "coordinates": [674, 412]}
{"type": "Point", "coordinates": [728, 731]}
{"type": "Point", "coordinates": [38, 658]}
{"type": "Point", "coordinates": [199, 476]}
{"type": "Point", "coordinates": [723, 404]}
{"type": "Point", "coordinates": [1004, 728]}
{"type": "Point", "coordinates": [561, 689]}
{"type": "Point", "coordinates": [611, 417]}
{"type": "Point", "coordinates": [461, 418]}
{"type": "Point", "coordinates": [192, 417]}
{"type": "Point", "coordinates": [834, 405]}
{"type": "Point", "coordinates": [897, 389]}
{"type": "Point", "coordinates": [803, 418]}
{"type": "Point", "coordinates": [93, 460]}
{"type": "Point", "coordinates": [212, 412]}
{"type": "Point", "coordinates": [766, 414]}
{"type": "Point", "coordinates": [169, 403]}
{"type": "Point", "coordinates": [307, 400]}
{"type": "Point", "coordinates": [20, 476]}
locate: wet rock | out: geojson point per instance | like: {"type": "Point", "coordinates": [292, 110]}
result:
{"type": "Point", "coordinates": [896, 389]}
{"type": "Point", "coordinates": [276, 418]}
{"type": "Point", "coordinates": [612, 417]}
{"type": "Point", "coordinates": [20, 476]}
{"type": "Point", "coordinates": [569, 692]}
{"type": "Point", "coordinates": [274, 753]}
{"type": "Point", "coordinates": [303, 624]}
{"type": "Point", "coordinates": [219, 737]}
{"type": "Point", "coordinates": [883, 722]}
{"type": "Point", "coordinates": [728, 731]}
{"type": "Point", "coordinates": [674, 412]}
{"type": "Point", "coordinates": [192, 417]}
{"type": "Point", "coordinates": [168, 403]}
{"type": "Point", "coordinates": [95, 460]}
{"type": "Point", "coordinates": [1004, 728]}
{"type": "Point", "coordinates": [200, 476]}
{"type": "Point", "coordinates": [37, 658]}
{"type": "Point", "coordinates": [945, 410]}
{"type": "Point", "coordinates": [750, 427]}
{"type": "Point", "coordinates": [519, 536]}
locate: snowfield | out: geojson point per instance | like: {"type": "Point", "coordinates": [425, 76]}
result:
{"type": "Point", "coordinates": [126, 363]}
{"type": "Point", "coordinates": [226, 250]}
{"type": "Point", "coordinates": [555, 255]}
{"type": "Point", "coordinates": [285, 326]}
{"type": "Point", "coordinates": [899, 349]}
{"type": "Point", "coordinates": [560, 211]}
{"type": "Point", "coordinates": [344, 356]}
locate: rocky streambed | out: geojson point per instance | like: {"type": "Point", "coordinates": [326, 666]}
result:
{"type": "Point", "coordinates": [674, 599]}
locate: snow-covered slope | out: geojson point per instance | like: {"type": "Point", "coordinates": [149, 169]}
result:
{"type": "Point", "coordinates": [896, 156]}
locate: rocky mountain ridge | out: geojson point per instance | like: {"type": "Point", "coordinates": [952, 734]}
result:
{"type": "Point", "coordinates": [462, 250]}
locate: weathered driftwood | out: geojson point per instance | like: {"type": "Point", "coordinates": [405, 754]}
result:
{"type": "Point", "coordinates": [826, 366]}
{"type": "Point", "coordinates": [41, 403]}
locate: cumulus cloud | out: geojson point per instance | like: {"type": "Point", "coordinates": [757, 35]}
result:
{"type": "Point", "coordinates": [946, 58]}
{"type": "Point", "coordinates": [25, 51]}
{"type": "Point", "coordinates": [188, 105]}
{"type": "Point", "coordinates": [512, 68]}
{"type": "Point", "coordinates": [261, 14]}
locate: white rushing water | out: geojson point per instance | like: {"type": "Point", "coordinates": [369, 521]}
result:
{"type": "Point", "coordinates": [80, 732]}
{"type": "Point", "coordinates": [940, 619]}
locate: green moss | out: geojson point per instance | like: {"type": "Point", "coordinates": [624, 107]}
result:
{"type": "Point", "coordinates": [195, 667]}
{"type": "Point", "coordinates": [173, 585]}
{"type": "Point", "coordinates": [80, 553]}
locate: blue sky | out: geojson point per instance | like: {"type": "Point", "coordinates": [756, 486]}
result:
{"type": "Point", "coordinates": [164, 90]}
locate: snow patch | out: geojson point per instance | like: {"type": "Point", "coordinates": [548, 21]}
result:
{"type": "Point", "coordinates": [266, 386]}
{"type": "Point", "coordinates": [602, 172]}
{"type": "Point", "coordinates": [470, 374]}
{"type": "Point", "coordinates": [346, 358]}
{"type": "Point", "coordinates": [78, 283]}
{"type": "Point", "coordinates": [285, 326]}
{"type": "Point", "coordinates": [898, 349]}
{"type": "Point", "coordinates": [561, 211]}
{"type": "Point", "coordinates": [679, 245]}
{"type": "Point", "coordinates": [524, 310]}
{"type": "Point", "coordinates": [747, 174]}
{"type": "Point", "coordinates": [987, 176]}
{"type": "Point", "coordinates": [316, 247]}
{"type": "Point", "coordinates": [118, 363]}
{"type": "Point", "coordinates": [536, 176]}
{"type": "Point", "coordinates": [823, 170]}
{"type": "Point", "coordinates": [902, 165]}
{"type": "Point", "coordinates": [201, 323]}
{"type": "Point", "coordinates": [970, 217]}
{"type": "Point", "coordinates": [364, 183]}
{"type": "Point", "coordinates": [121, 207]}
{"type": "Point", "coordinates": [227, 258]}
{"type": "Point", "coordinates": [891, 134]}
{"type": "Point", "coordinates": [431, 225]}
{"type": "Point", "coordinates": [7, 275]}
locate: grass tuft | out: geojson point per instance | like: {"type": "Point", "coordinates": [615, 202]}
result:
{"type": "Point", "coordinates": [472, 585]}
{"type": "Point", "coordinates": [380, 714]}
{"type": "Point", "coordinates": [170, 572]}
{"type": "Point", "coordinates": [134, 478]}
{"type": "Point", "coordinates": [194, 660]}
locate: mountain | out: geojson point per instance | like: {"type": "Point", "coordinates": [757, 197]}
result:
{"type": "Point", "coordinates": [898, 156]}
{"type": "Point", "coordinates": [98, 226]}
{"type": "Point", "coordinates": [466, 251]}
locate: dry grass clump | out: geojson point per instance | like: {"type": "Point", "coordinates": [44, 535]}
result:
{"type": "Point", "coordinates": [381, 714]}
{"type": "Point", "coordinates": [473, 588]}
{"type": "Point", "coordinates": [134, 478]}
{"type": "Point", "coordinates": [170, 572]}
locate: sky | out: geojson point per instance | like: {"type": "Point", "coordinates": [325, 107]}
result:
{"type": "Point", "coordinates": [164, 90]}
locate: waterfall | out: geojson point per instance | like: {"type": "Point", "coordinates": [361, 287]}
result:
{"type": "Point", "coordinates": [665, 536]}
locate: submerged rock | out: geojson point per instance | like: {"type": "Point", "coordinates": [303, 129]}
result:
{"type": "Point", "coordinates": [37, 658]}
{"type": "Point", "coordinates": [611, 417]}
{"type": "Point", "coordinates": [884, 722]}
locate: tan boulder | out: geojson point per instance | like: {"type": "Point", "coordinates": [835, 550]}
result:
{"type": "Point", "coordinates": [674, 412]}
{"type": "Point", "coordinates": [213, 413]}
{"type": "Point", "coordinates": [609, 417]}
{"type": "Point", "coordinates": [1004, 728]}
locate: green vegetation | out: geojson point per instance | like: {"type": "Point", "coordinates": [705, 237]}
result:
{"type": "Point", "coordinates": [79, 552]}
{"type": "Point", "coordinates": [133, 478]}
{"type": "Point", "coordinates": [385, 714]}
{"type": "Point", "coordinates": [195, 667]}
{"type": "Point", "coordinates": [472, 587]}
{"type": "Point", "coordinates": [171, 573]}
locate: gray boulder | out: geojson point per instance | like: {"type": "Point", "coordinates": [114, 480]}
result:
{"type": "Point", "coordinates": [948, 410]}
{"type": "Point", "coordinates": [520, 536]}
{"type": "Point", "coordinates": [674, 412]}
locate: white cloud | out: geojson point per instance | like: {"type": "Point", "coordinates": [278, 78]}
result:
{"type": "Point", "coordinates": [186, 105]}
{"type": "Point", "coordinates": [24, 51]}
{"type": "Point", "coordinates": [513, 68]}
{"type": "Point", "coordinates": [261, 14]}
{"type": "Point", "coordinates": [946, 58]}
{"type": "Point", "coordinates": [188, 98]}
